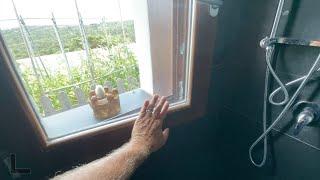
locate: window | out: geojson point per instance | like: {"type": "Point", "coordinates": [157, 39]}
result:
{"type": "Point", "coordinates": [55, 59]}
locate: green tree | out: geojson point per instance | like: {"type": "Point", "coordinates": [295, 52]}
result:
{"type": "Point", "coordinates": [118, 63]}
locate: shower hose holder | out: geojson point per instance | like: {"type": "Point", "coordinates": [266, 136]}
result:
{"type": "Point", "coordinates": [267, 41]}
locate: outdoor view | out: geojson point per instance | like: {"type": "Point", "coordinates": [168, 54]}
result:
{"type": "Point", "coordinates": [60, 52]}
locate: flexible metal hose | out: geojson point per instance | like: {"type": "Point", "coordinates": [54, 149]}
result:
{"type": "Point", "coordinates": [266, 89]}
{"type": "Point", "coordinates": [287, 101]}
{"type": "Point", "coordinates": [276, 91]}
{"type": "Point", "coordinates": [285, 110]}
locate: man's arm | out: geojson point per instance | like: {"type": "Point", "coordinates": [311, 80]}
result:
{"type": "Point", "coordinates": [147, 136]}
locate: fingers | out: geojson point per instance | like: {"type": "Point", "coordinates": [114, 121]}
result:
{"type": "Point", "coordinates": [152, 105]}
{"type": "Point", "coordinates": [165, 134]}
{"type": "Point", "coordinates": [158, 107]}
{"type": "Point", "coordinates": [143, 109]}
{"type": "Point", "coordinates": [164, 110]}
{"type": "Point", "coordinates": [155, 125]}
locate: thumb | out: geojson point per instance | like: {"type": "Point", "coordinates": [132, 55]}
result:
{"type": "Point", "coordinates": [165, 134]}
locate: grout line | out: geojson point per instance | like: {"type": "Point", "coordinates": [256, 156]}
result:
{"type": "Point", "coordinates": [299, 140]}
{"type": "Point", "coordinates": [259, 122]}
{"type": "Point", "coordinates": [290, 73]}
{"type": "Point", "coordinates": [298, 75]}
{"type": "Point", "coordinates": [218, 66]}
{"type": "Point", "coordinates": [241, 114]}
{"type": "Point", "coordinates": [223, 65]}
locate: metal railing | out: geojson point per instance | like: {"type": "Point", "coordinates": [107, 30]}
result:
{"type": "Point", "coordinates": [40, 71]}
{"type": "Point", "coordinates": [32, 48]}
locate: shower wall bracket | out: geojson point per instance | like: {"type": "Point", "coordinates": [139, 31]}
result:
{"type": "Point", "coordinates": [288, 41]}
{"type": "Point", "coordinates": [214, 6]}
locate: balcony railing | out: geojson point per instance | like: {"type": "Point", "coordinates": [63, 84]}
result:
{"type": "Point", "coordinates": [80, 95]}
{"type": "Point", "coordinates": [40, 71]}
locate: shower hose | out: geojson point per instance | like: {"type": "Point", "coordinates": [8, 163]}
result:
{"type": "Point", "coordinates": [287, 101]}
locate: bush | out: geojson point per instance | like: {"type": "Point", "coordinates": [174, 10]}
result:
{"type": "Point", "coordinates": [113, 61]}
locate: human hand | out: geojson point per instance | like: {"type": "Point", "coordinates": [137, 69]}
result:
{"type": "Point", "coordinates": [147, 130]}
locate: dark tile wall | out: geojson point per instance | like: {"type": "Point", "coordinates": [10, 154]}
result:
{"type": "Point", "coordinates": [238, 85]}
{"type": "Point", "coordinates": [216, 147]}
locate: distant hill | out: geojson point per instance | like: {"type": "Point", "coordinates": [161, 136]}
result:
{"type": "Point", "coordinates": [105, 34]}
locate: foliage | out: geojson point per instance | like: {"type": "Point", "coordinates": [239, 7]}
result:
{"type": "Point", "coordinates": [45, 41]}
{"type": "Point", "coordinates": [113, 60]}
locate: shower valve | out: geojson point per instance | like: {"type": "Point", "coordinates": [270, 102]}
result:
{"type": "Point", "coordinates": [306, 113]}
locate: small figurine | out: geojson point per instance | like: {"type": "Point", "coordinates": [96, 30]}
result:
{"type": "Point", "coordinates": [104, 102]}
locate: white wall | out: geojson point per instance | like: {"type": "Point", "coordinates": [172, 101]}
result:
{"type": "Point", "coordinates": [153, 30]}
{"type": "Point", "coordinates": [142, 34]}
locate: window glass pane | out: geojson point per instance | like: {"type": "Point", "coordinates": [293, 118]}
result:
{"type": "Point", "coordinates": [63, 49]}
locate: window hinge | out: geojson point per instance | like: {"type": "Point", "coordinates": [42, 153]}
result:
{"type": "Point", "coordinates": [214, 6]}
{"type": "Point", "coordinates": [214, 10]}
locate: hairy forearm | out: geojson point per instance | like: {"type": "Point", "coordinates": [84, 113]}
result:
{"type": "Point", "coordinates": [147, 136]}
{"type": "Point", "coordinates": [120, 164]}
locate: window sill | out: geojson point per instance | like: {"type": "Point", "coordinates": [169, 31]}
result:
{"type": "Point", "coordinates": [82, 118]}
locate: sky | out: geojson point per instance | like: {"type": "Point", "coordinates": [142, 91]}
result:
{"type": "Point", "coordinates": [63, 9]}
